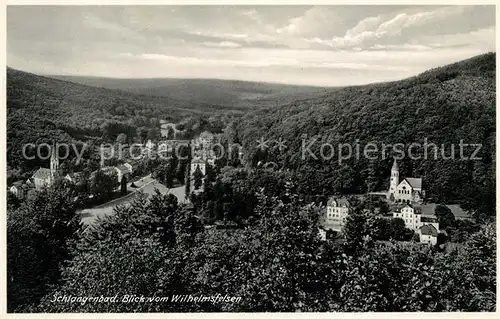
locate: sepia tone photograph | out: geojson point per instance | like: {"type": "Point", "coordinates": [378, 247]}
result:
{"type": "Point", "coordinates": [237, 158]}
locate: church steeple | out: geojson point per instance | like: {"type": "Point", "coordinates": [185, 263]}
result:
{"type": "Point", "coordinates": [394, 177]}
{"type": "Point", "coordinates": [395, 166]}
{"type": "Point", "coordinates": [54, 162]}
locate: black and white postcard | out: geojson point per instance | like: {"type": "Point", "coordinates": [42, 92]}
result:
{"type": "Point", "coordinates": [250, 158]}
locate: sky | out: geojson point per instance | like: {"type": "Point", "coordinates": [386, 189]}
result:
{"type": "Point", "coordinates": [306, 45]}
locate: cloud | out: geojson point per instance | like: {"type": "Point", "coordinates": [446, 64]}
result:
{"type": "Point", "coordinates": [223, 44]}
{"type": "Point", "coordinates": [396, 28]}
{"type": "Point", "coordinates": [295, 44]}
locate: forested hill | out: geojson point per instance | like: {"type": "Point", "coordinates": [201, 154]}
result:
{"type": "Point", "coordinates": [444, 105]}
{"type": "Point", "coordinates": [40, 109]}
{"type": "Point", "coordinates": [228, 93]}
{"type": "Point", "coordinates": [82, 104]}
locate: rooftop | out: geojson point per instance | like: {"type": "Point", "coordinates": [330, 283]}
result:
{"type": "Point", "coordinates": [341, 201]}
{"type": "Point", "coordinates": [76, 176]}
{"type": "Point", "coordinates": [123, 169]}
{"type": "Point", "coordinates": [458, 212]}
{"type": "Point", "coordinates": [428, 219]}
{"type": "Point", "coordinates": [42, 173]}
{"type": "Point", "coordinates": [429, 230]}
{"type": "Point", "coordinates": [414, 182]}
{"type": "Point", "coordinates": [18, 183]}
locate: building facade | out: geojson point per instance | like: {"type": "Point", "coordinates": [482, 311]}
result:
{"type": "Point", "coordinates": [198, 163]}
{"type": "Point", "coordinates": [337, 210]}
{"type": "Point", "coordinates": [45, 177]}
{"type": "Point", "coordinates": [123, 171]}
{"type": "Point", "coordinates": [410, 215]}
{"type": "Point", "coordinates": [409, 190]}
{"type": "Point", "coordinates": [413, 217]}
{"type": "Point", "coordinates": [428, 234]}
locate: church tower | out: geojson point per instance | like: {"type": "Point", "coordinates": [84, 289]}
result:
{"type": "Point", "coordinates": [54, 163]}
{"type": "Point", "coordinates": [394, 177]}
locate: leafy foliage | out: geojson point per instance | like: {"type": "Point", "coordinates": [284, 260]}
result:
{"type": "Point", "coordinates": [39, 235]}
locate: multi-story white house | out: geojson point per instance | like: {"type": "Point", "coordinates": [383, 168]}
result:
{"type": "Point", "coordinates": [407, 191]}
{"type": "Point", "coordinates": [416, 221]}
{"type": "Point", "coordinates": [413, 217]}
{"type": "Point", "coordinates": [410, 215]}
{"type": "Point", "coordinates": [337, 209]}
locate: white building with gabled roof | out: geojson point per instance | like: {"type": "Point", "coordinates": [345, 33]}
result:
{"type": "Point", "coordinates": [44, 177]}
{"type": "Point", "coordinates": [337, 209]}
{"type": "Point", "coordinates": [428, 234]}
{"type": "Point", "coordinates": [409, 190]}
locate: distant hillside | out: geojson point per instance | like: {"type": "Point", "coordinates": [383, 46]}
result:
{"type": "Point", "coordinates": [41, 108]}
{"type": "Point", "coordinates": [445, 105]}
{"type": "Point", "coordinates": [229, 93]}
{"type": "Point", "coordinates": [22, 85]}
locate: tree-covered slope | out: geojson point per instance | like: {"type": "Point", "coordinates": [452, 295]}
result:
{"type": "Point", "coordinates": [241, 95]}
{"type": "Point", "coordinates": [443, 106]}
{"type": "Point", "coordinates": [41, 109]}
{"type": "Point", "coordinates": [83, 105]}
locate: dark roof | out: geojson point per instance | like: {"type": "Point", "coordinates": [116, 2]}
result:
{"type": "Point", "coordinates": [427, 209]}
{"type": "Point", "coordinates": [458, 211]}
{"type": "Point", "coordinates": [42, 173]}
{"type": "Point", "coordinates": [18, 183]}
{"type": "Point", "coordinates": [429, 230]}
{"type": "Point", "coordinates": [20, 186]}
{"type": "Point", "coordinates": [341, 201]}
{"type": "Point", "coordinates": [76, 176]}
{"type": "Point", "coordinates": [428, 219]}
{"type": "Point", "coordinates": [108, 170]}
{"type": "Point", "coordinates": [123, 169]}
{"type": "Point", "coordinates": [414, 182]}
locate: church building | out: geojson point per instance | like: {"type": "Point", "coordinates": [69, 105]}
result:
{"type": "Point", "coordinates": [409, 190]}
{"type": "Point", "coordinates": [45, 177]}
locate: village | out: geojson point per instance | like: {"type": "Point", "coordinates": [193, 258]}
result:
{"type": "Point", "coordinates": [405, 198]}
{"type": "Point", "coordinates": [406, 201]}
{"type": "Point", "coordinates": [127, 183]}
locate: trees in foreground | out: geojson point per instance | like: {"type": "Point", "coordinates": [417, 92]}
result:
{"type": "Point", "coordinates": [158, 247]}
